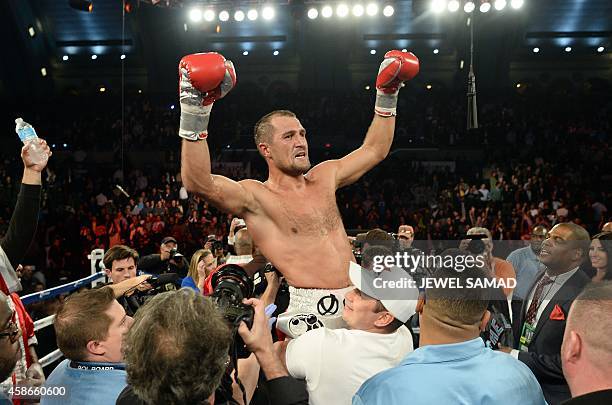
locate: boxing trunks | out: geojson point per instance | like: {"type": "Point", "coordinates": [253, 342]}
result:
{"type": "Point", "coordinates": [311, 308]}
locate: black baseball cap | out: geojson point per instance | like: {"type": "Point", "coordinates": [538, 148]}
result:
{"type": "Point", "coordinates": [168, 239]}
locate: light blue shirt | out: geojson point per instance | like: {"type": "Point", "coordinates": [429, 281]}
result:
{"type": "Point", "coordinates": [100, 387]}
{"type": "Point", "coordinates": [459, 373]}
{"type": "Point", "coordinates": [526, 265]}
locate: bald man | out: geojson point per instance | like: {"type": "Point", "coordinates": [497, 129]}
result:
{"type": "Point", "coordinates": [539, 322]}
{"type": "Point", "coordinates": [586, 353]}
{"type": "Point", "coordinates": [607, 227]}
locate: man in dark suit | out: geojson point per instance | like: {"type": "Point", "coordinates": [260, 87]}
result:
{"type": "Point", "coordinates": [586, 352]}
{"type": "Point", "coordinates": [539, 320]}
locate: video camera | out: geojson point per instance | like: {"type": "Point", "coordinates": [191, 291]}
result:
{"type": "Point", "coordinates": [231, 284]}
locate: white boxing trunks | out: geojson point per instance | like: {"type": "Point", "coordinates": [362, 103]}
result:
{"type": "Point", "coordinates": [311, 308]}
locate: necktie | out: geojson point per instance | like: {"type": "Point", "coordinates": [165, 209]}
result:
{"type": "Point", "coordinates": [535, 302]}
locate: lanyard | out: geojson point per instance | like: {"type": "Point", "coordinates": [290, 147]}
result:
{"type": "Point", "coordinates": [97, 366]}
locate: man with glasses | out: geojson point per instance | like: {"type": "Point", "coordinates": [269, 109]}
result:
{"type": "Point", "coordinates": [526, 262]}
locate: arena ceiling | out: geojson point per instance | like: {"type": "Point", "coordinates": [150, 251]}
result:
{"type": "Point", "coordinates": [154, 37]}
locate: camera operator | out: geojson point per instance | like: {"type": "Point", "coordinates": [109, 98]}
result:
{"type": "Point", "coordinates": [89, 327]}
{"type": "Point", "coordinates": [168, 260]}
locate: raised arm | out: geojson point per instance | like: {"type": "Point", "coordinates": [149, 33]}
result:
{"type": "Point", "coordinates": [205, 78]}
{"type": "Point", "coordinates": [396, 68]}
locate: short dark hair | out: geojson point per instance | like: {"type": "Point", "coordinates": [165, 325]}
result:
{"type": "Point", "coordinates": [176, 349]}
{"type": "Point", "coordinates": [82, 319]}
{"type": "Point", "coordinates": [263, 127]}
{"type": "Point", "coordinates": [463, 305]}
{"type": "Point", "coordinates": [119, 252]}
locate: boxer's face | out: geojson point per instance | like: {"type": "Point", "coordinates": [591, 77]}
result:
{"type": "Point", "coordinates": [288, 145]}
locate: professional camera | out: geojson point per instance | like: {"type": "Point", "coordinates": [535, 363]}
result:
{"type": "Point", "coordinates": [475, 245]}
{"type": "Point", "coordinates": [231, 285]}
{"type": "Point", "coordinates": [160, 283]}
{"type": "Point", "coordinates": [216, 245]}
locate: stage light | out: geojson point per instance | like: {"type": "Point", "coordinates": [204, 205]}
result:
{"type": "Point", "coordinates": [102, 89]}
{"type": "Point", "coordinates": [209, 15]}
{"type": "Point", "coordinates": [404, 50]}
{"type": "Point", "coordinates": [65, 58]}
{"type": "Point", "coordinates": [436, 51]}
{"type": "Point", "coordinates": [139, 91]}
{"type": "Point", "coordinates": [428, 87]}
{"type": "Point", "coordinates": [372, 9]}
{"type": "Point", "coordinates": [252, 14]}
{"type": "Point", "coordinates": [122, 56]}
{"type": "Point", "coordinates": [43, 72]}
{"type": "Point", "coordinates": [388, 11]}
{"type": "Point", "coordinates": [485, 7]}
{"type": "Point", "coordinates": [275, 53]}
{"type": "Point", "coordinates": [469, 7]}
{"type": "Point", "coordinates": [499, 5]}
{"type": "Point", "coordinates": [81, 5]}
{"type": "Point", "coordinates": [536, 50]}
{"type": "Point", "coordinates": [461, 64]}
{"type": "Point", "coordinates": [195, 14]}
{"type": "Point", "coordinates": [326, 11]}
{"type": "Point", "coordinates": [239, 15]}
{"type": "Point", "coordinates": [372, 51]}
{"type": "Point", "coordinates": [342, 10]}
{"type": "Point", "coordinates": [224, 15]}
{"type": "Point", "coordinates": [568, 49]}
{"type": "Point", "coordinates": [516, 4]}
{"type": "Point", "coordinates": [31, 31]}
{"type": "Point", "coordinates": [518, 85]}
{"type": "Point", "coordinates": [313, 13]}
{"type": "Point", "coordinates": [94, 57]}
{"type": "Point", "coordinates": [245, 53]}
{"type": "Point", "coordinates": [172, 107]}
{"type": "Point", "coordinates": [438, 6]}
{"type": "Point", "coordinates": [358, 10]}
{"type": "Point", "coordinates": [367, 87]}
{"type": "Point", "coordinates": [453, 6]}
{"type": "Point", "coordinates": [600, 49]}
{"type": "Point", "coordinates": [267, 13]}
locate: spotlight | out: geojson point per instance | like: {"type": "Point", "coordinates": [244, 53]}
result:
{"type": "Point", "coordinates": [438, 6]}
{"type": "Point", "coordinates": [267, 13]}
{"type": "Point", "coordinates": [139, 91]}
{"type": "Point", "coordinates": [342, 10]}
{"type": "Point", "coordinates": [172, 107]}
{"type": "Point", "coordinates": [388, 11]}
{"type": "Point", "coordinates": [516, 4]}
{"type": "Point", "coordinates": [568, 49]}
{"type": "Point", "coordinates": [102, 89]}
{"type": "Point", "coordinates": [275, 53]}
{"type": "Point", "coordinates": [469, 7]}
{"type": "Point", "coordinates": [358, 10]}
{"type": "Point", "coordinates": [518, 85]}
{"type": "Point", "coordinates": [485, 7]}
{"type": "Point", "coordinates": [428, 87]}
{"type": "Point", "coordinates": [600, 49]}
{"type": "Point", "coordinates": [209, 15]}
{"type": "Point", "coordinates": [65, 58]}
{"type": "Point", "coordinates": [367, 87]}
{"type": "Point", "coordinates": [453, 6]}
{"type": "Point", "coordinates": [245, 53]}
{"type": "Point", "coordinates": [326, 11]}
{"type": "Point", "coordinates": [224, 15]}
{"type": "Point", "coordinates": [404, 50]}
{"type": "Point", "coordinates": [372, 9]}
{"type": "Point", "coordinates": [436, 51]}
{"type": "Point", "coordinates": [43, 72]}
{"type": "Point", "coordinates": [195, 14]}
{"type": "Point", "coordinates": [239, 15]}
{"type": "Point", "coordinates": [94, 57]}
{"type": "Point", "coordinates": [313, 13]}
{"type": "Point", "coordinates": [252, 14]}
{"type": "Point", "coordinates": [499, 5]}
{"type": "Point", "coordinates": [81, 5]}
{"type": "Point", "coordinates": [372, 51]}
{"type": "Point", "coordinates": [31, 32]}
{"type": "Point", "coordinates": [536, 50]}
{"type": "Point", "coordinates": [122, 56]}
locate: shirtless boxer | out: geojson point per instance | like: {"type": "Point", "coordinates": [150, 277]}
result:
{"type": "Point", "coordinates": [293, 216]}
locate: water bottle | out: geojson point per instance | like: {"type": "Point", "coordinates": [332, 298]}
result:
{"type": "Point", "coordinates": [28, 136]}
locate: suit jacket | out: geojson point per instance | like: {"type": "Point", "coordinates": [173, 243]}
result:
{"type": "Point", "coordinates": [544, 352]}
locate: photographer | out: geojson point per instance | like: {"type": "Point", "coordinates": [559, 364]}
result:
{"type": "Point", "coordinates": [168, 260]}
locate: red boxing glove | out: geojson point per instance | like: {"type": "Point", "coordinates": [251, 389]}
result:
{"type": "Point", "coordinates": [203, 79]}
{"type": "Point", "coordinates": [395, 69]}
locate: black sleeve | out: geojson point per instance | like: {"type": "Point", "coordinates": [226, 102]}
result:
{"type": "Point", "coordinates": [23, 224]}
{"type": "Point", "coordinates": [543, 366]}
{"type": "Point", "coordinates": [287, 391]}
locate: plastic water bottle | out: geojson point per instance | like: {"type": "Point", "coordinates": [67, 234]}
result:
{"type": "Point", "coordinates": [28, 136]}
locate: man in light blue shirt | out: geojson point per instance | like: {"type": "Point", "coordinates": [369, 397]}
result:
{"type": "Point", "coordinates": [453, 366]}
{"type": "Point", "coordinates": [89, 329]}
{"type": "Point", "coordinates": [526, 262]}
